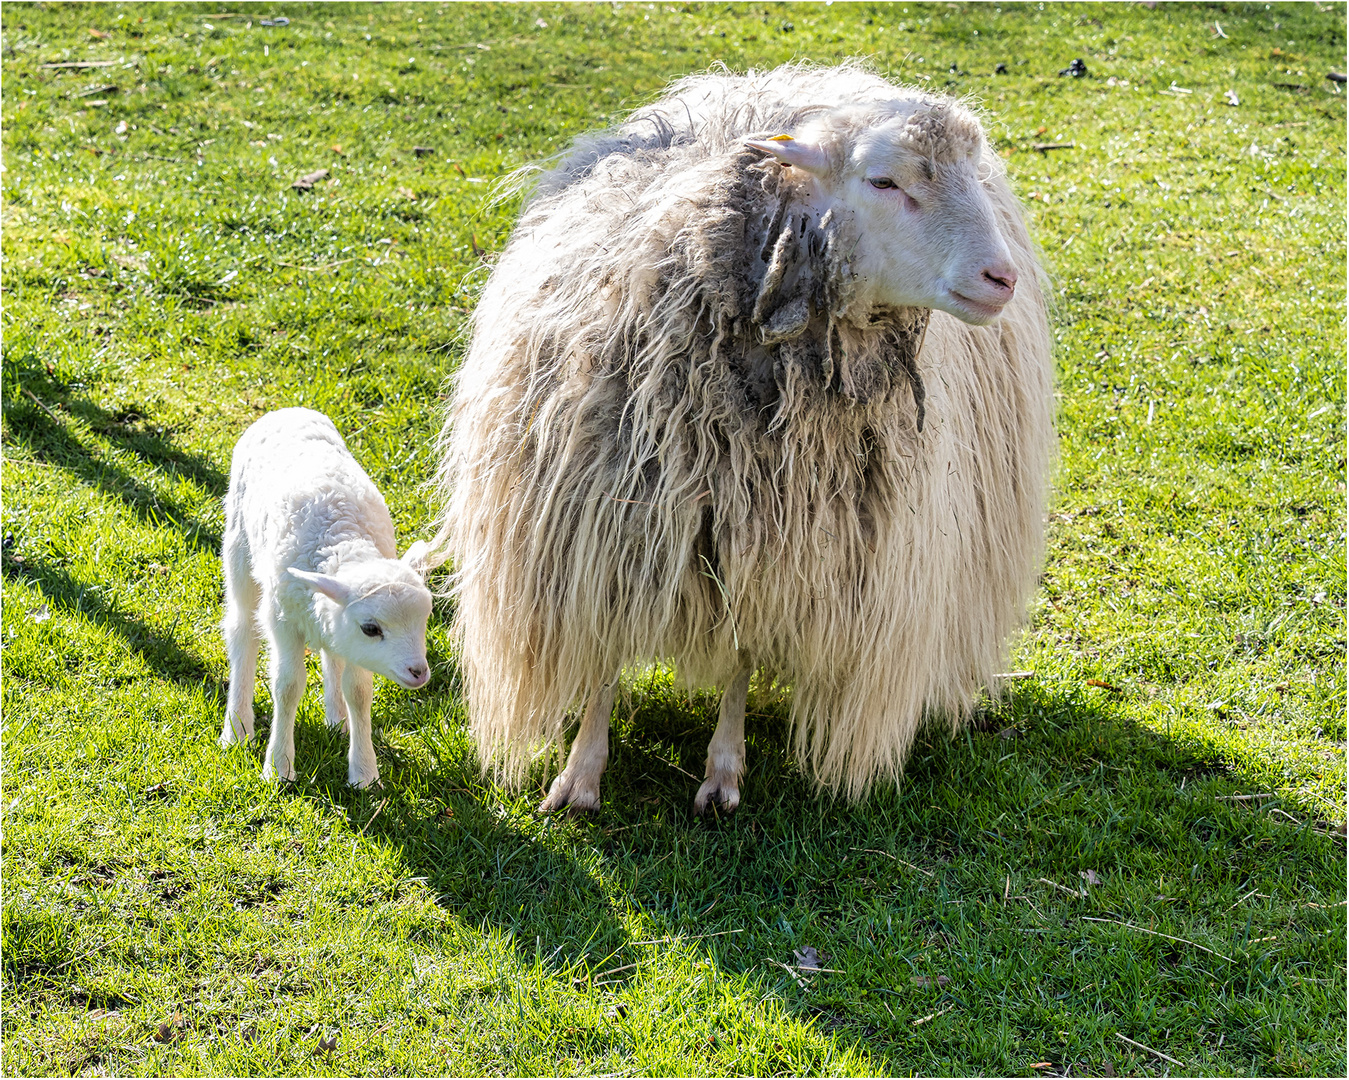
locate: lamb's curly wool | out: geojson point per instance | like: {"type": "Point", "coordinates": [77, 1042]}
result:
{"type": "Point", "coordinates": [677, 436]}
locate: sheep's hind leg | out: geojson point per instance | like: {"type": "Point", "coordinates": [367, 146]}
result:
{"type": "Point", "coordinates": [358, 690]}
{"type": "Point", "coordinates": [334, 705]}
{"type": "Point", "coordinates": [726, 751]}
{"type": "Point", "coordinates": [288, 674]}
{"type": "Point", "coordinates": [241, 640]}
{"type": "Point", "coordinates": [578, 786]}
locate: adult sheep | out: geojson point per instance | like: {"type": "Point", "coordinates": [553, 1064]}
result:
{"type": "Point", "coordinates": [762, 379]}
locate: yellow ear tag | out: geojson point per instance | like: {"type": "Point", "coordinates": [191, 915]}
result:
{"type": "Point", "coordinates": [782, 138]}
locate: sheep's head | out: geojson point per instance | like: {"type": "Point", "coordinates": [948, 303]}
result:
{"type": "Point", "coordinates": [375, 615]}
{"type": "Point", "coordinates": [914, 177]}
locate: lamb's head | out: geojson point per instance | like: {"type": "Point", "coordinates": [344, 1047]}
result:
{"type": "Point", "coordinates": [914, 176]}
{"type": "Point", "coordinates": [374, 615]}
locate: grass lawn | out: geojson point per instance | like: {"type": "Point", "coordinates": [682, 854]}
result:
{"type": "Point", "coordinates": [1143, 843]}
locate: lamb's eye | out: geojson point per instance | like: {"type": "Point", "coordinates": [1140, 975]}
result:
{"type": "Point", "coordinates": [371, 629]}
{"type": "Point", "coordinates": [883, 183]}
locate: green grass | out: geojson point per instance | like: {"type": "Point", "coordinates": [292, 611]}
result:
{"type": "Point", "coordinates": [166, 912]}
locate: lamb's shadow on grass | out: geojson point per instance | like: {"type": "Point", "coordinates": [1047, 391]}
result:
{"type": "Point", "coordinates": [89, 600]}
{"type": "Point", "coordinates": [39, 414]}
{"type": "Point", "coordinates": [1055, 787]}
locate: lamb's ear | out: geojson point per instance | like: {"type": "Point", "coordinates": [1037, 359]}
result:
{"type": "Point", "coordinates": [807, 156]}
{"type": "Point", "coordinates": [421, 559]}
{"type": "Point", "coordinates": [329, 586]}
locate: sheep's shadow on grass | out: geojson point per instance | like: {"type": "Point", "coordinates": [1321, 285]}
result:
{"type": "Point", "coordinates": [164, 655]}
{"type": "Point", "coordinates": [1055, 785]}
{"type": "Point", "coordinates": [792, 867]}
{"type": "Point", "coordinates": [38, 412]}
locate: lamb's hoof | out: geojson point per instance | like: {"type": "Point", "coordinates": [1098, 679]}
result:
{"type": "Point", "coordinates": [369, 782]}
{"type": "Point", "coordinates": [234, 734]}
{"type": "Point", "coordinates": [719, 789]}
{"type": "Point", "coordinates": [274, 775]}
{"type": "Point", "coordinates": [578, 796]}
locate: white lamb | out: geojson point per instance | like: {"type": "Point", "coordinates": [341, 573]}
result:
{"type": "Point", "coordinates": [310, 558]}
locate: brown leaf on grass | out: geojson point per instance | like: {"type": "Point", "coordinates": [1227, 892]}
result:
{"type": "Point", "coordinates": [328, 1045]}
{"type": "Point", "coordinates": [1107, 1069]}
{"type": "Point", "coordinates": [407, 193]}
{"type": "Point", "coordinates": [1043, 1065]}
{"type": "Point", "coordinates": [102, 35]}
{"type": "Point", "coordinates": [1104, 685]}
{"type": "Point", "coordinates": [1091, 877]}
{"type": "Point", "coordinates": [337, 150]}
{"type": "Point", "coordinates": [924, 981]}
{"type": "Point", "coordinates": [807, 959]}
{"type": "Point", "coordinates": [308, 180]}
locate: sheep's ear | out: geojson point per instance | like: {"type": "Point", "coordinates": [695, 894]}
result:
{"type": "Point", "coordinates": [421, 559]}
{"type": "Point", "coordinates": [808, 156]}
{"type": "Point", "coordinates": [329, 586]}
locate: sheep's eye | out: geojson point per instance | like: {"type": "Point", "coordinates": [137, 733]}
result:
{"type": "Point", "coordinates": [883, 183]}
{"type": "Point", "coordinates": [371, 629]}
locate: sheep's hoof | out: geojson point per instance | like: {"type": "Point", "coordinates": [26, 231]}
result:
{"type": "Point", "coordinates": [367, 783]}
{"type": "Point", "coordinates": [720, 790]}
{"type": "Point", "coordinates": [576, 796]}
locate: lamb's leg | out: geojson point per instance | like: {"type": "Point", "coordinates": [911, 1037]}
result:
{"type": "Point", "coordinates": [358, 692]}
{"type": "Point", "coordinates": [578, 787]}
{"type": "Point", "coordinates": [241, 639]}
{"type": "Point", "coordinates": [726, 751]}
{"type": "Point", "coordinates": [288, 674]}
{"type": "Point", "coordinates": [334, 705]}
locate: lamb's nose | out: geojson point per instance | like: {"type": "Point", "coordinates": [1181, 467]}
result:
{"type": "Point", "coordinates": [1001, 276]}
{"type": "Point", "coordinates": [417, 673]}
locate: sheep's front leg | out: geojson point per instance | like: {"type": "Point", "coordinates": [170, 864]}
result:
{"type": "Point", "coordinates": [287, 649]}
{"type": "Point", "coordinates": [578, 787]}
{"type": "Point", "coordinates": [358, 692]}
{"type": "Point", "coordinates": [334, 705]}
{"type": "Point", "coordinates": [726, 751]}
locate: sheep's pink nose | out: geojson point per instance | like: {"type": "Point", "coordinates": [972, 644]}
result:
{"type": "Point", "coordinates": [417, 674]}
{"type": "Point", "coordinates": [1001, 276]}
